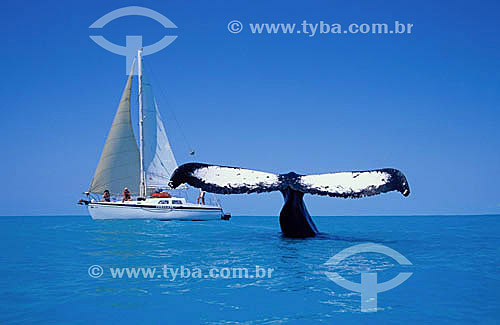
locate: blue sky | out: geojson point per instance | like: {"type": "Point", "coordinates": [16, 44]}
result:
{"type": "Point", "coordinates": [425, 103]}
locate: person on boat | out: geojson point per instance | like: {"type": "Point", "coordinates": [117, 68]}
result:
{"type": "Point", "coordinates": [106, 197]}
{"type": "Point", "coordinates": [201, 197]}
{"type": "Point", "coordinates": [126, 195]}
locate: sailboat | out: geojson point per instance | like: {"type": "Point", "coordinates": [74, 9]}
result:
{"type": "Point", "coordinates": [142, 169]}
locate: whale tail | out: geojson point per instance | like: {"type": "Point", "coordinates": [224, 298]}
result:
{"type": "Point", "coordinates": [294, 218]}
{"type": "Point", "coordinates": [234, 180]}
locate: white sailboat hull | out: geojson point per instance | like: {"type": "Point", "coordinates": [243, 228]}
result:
{"type": "Point", "coordinates": [102, 210]}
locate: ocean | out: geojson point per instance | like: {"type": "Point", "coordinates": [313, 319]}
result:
{"type": "Point", "coordinates": [66, 269]}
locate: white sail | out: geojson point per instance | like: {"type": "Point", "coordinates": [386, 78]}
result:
{"type": "Point", "coordinates": [159, 160]}
{"type": "Point", "coordinates": [119, 163]}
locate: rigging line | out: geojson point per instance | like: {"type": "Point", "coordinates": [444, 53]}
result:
{"type": "Point", "coordinates": [187, 143]}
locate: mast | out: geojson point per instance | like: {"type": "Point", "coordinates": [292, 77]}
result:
{"type": "Point", "coordinates": [142, 186]}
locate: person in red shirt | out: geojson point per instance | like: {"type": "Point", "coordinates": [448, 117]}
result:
{"type": "Point", "coordinates": [126, 195]}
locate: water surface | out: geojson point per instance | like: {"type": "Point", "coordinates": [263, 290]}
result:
{"type": "Point", "coordinates": [45, 261]}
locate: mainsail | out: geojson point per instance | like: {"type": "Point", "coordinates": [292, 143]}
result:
{"type": "Point", "coordinates": [159, 160]}
{"type": "Point", "coordinates": [119, 163]}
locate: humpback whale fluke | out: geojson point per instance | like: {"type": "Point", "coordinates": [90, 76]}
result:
{"type": "Point", "coordinates": [295, 220]}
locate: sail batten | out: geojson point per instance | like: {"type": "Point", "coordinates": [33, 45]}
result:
{"type": "Point", "coordinates": [118, 166]}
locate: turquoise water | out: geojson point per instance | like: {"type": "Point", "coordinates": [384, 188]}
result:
{"type": "Point", "coordinates": [44, 271]}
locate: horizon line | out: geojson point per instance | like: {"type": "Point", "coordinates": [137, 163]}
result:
{"type": "Point", "coordinates": [344, 215]}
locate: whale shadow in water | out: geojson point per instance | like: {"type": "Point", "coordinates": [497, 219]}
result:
{"type": "Point", "coordinates": [323, 236]}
